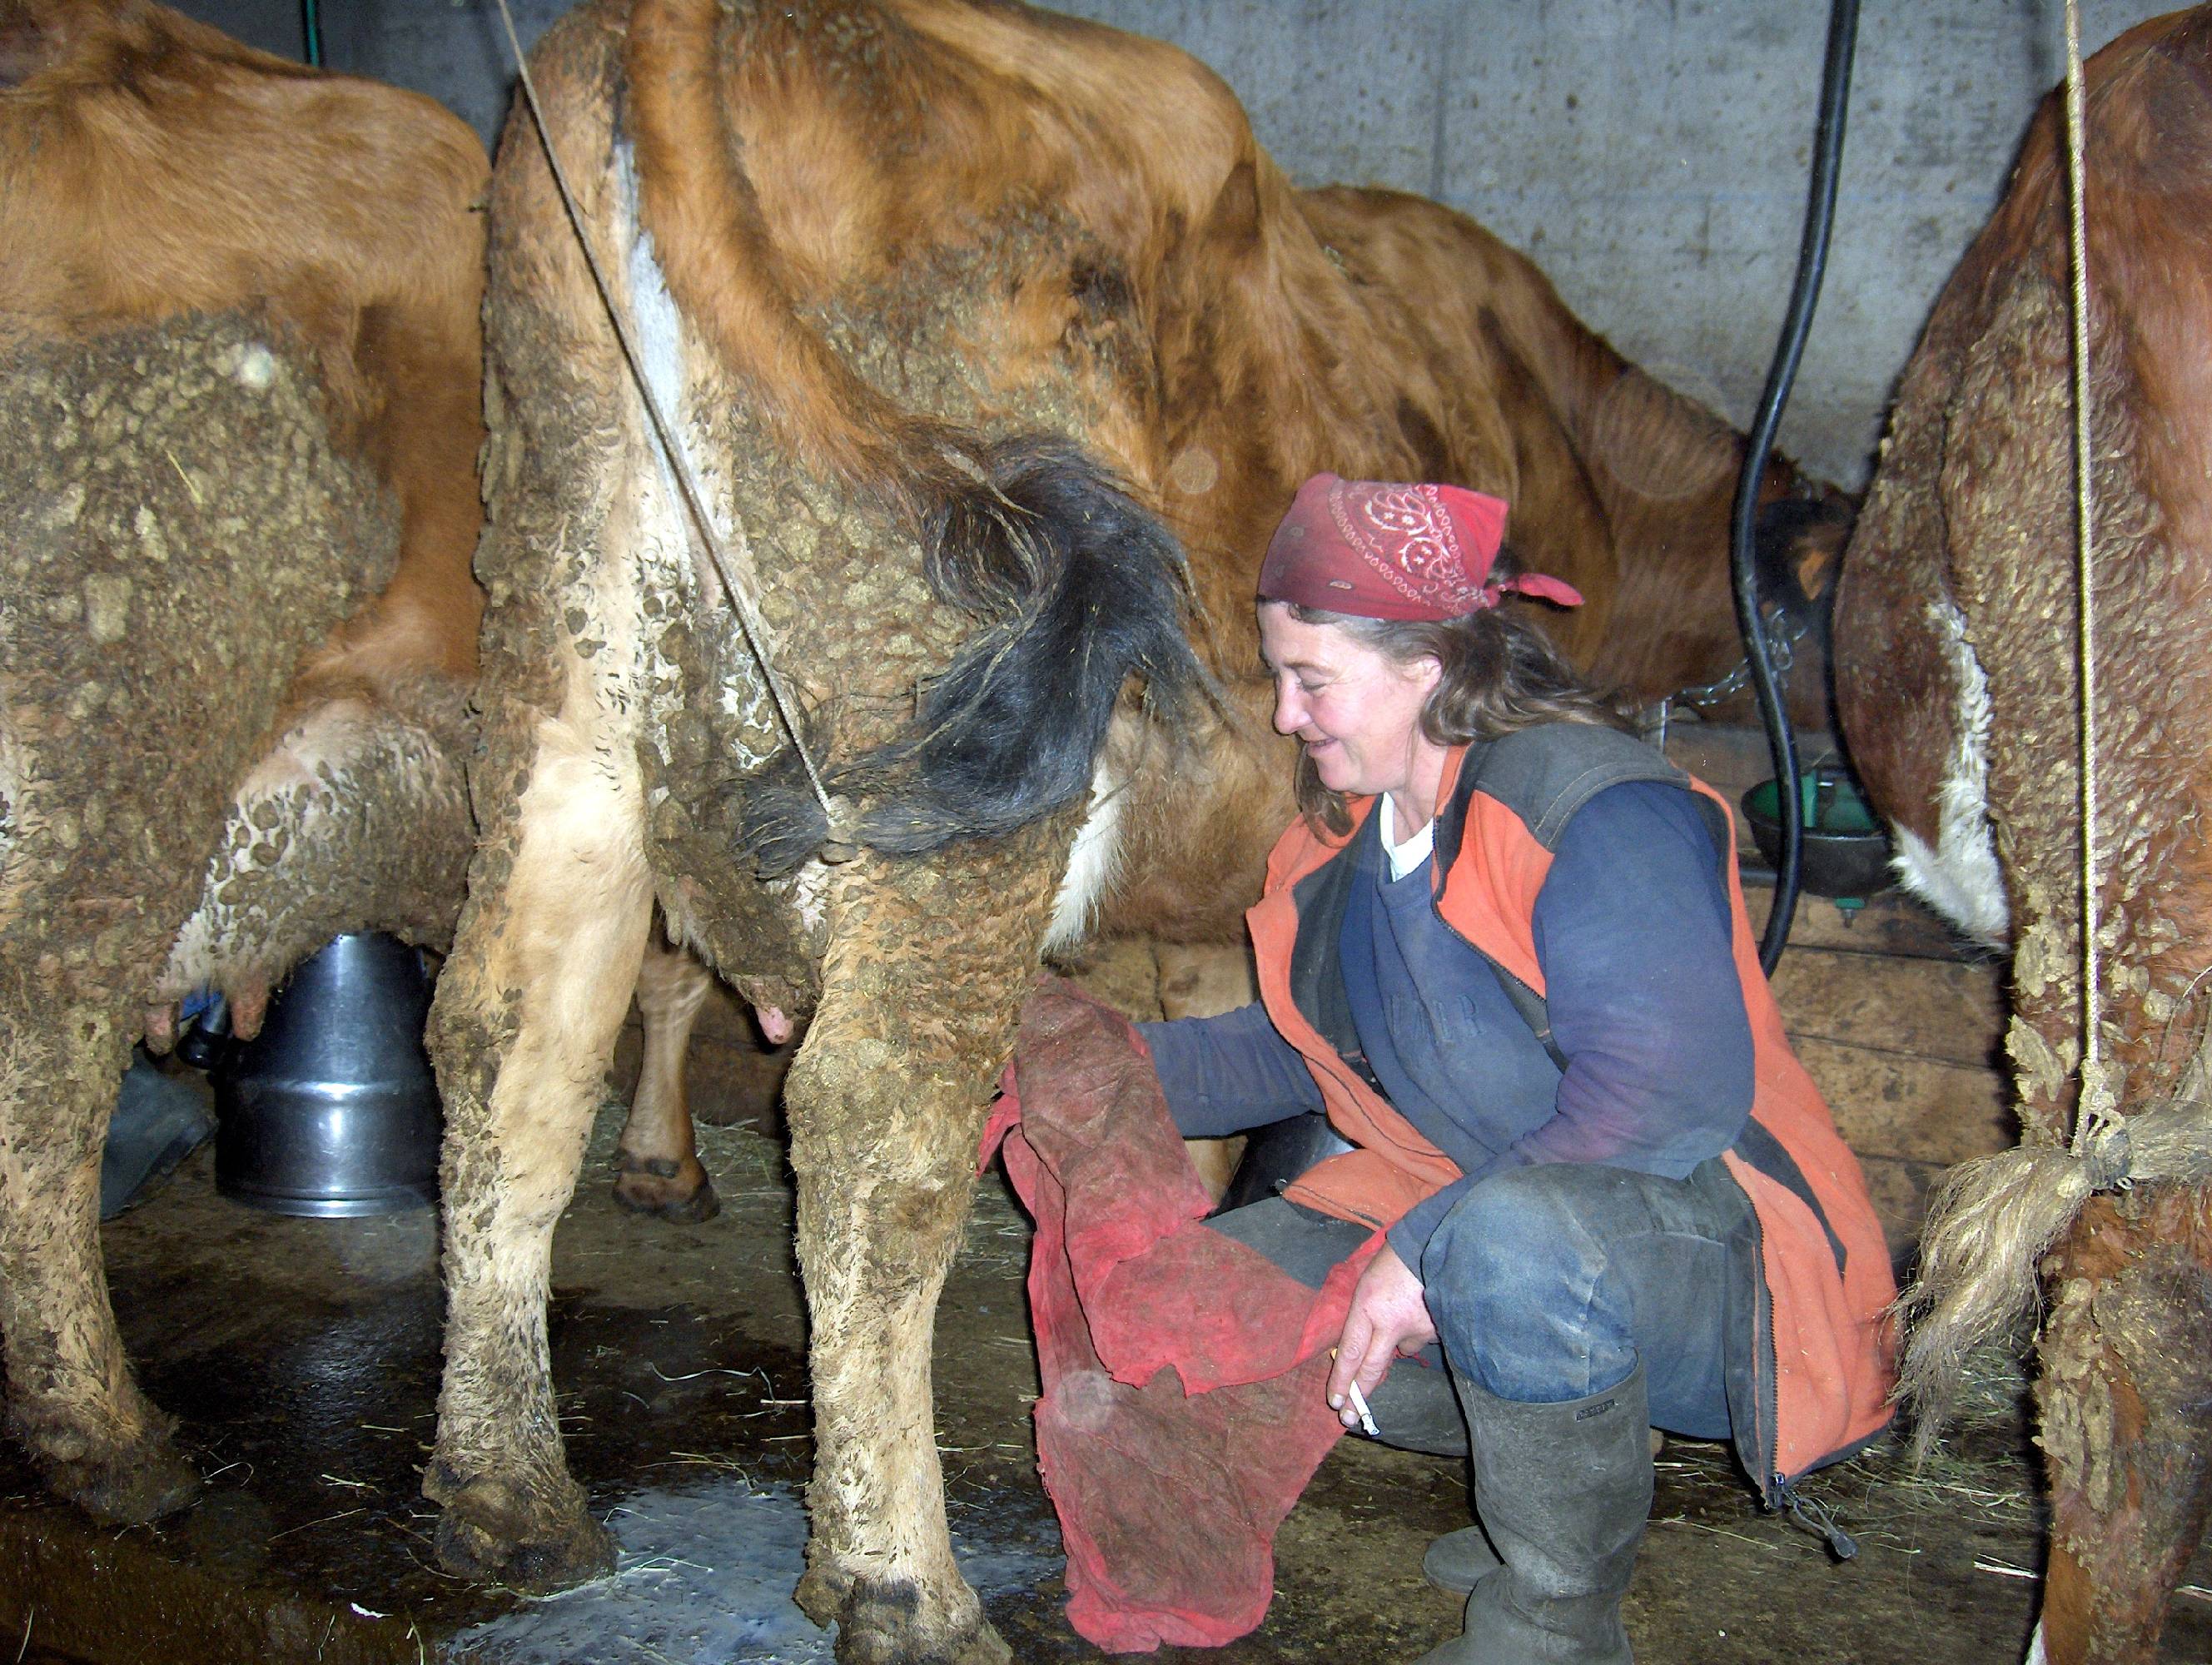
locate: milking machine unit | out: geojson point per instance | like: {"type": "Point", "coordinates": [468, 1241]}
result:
{"type": "Point", "coordinates": [1805, 294]}
{"type": "Point", "coordinates": [331, 1109]}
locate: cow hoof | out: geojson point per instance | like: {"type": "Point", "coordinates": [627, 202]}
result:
{"type": "Point", "coordinates": [128, 1488]}
{"type": "Point", "coordinates": [488, 1535]}
{"type": "Point", "coordinates": [879, 1622]}
{"type": "Point", "coordinates": [670, 1191]}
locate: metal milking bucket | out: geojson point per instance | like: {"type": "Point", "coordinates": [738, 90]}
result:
{"type": "Point", "coordinates": [331, 1109]}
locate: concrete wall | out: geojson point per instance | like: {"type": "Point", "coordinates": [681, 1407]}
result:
{"type": "Point", "coordinates": [1651, 154]}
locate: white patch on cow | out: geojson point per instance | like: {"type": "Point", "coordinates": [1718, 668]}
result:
{"type": "Point", "coordinates": [13, 771]}
{"type": "Point", "coordinates": [655, 325]}
{"type": "Point", "coordinates": [670, 554]}
{"type": "Point", "coordinates": [2035, 1646]}
{"type": "Point", "coordinates": [1091, 864]}
{"type": "Point", "coordinates": [809, 895]}
{"type": "Point", "coordinates": [1960, 877]}
{"type": "Point", "coordinates": [19, 767]}
{"type": "Point", "coordinates": [330, 740]}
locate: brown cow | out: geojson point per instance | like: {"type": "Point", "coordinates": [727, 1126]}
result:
{"type": "Point", "coordinates": [1624, 487]}
{"type": "Point", "coordinates": [1958, 686]}
{"type": "Point", "coordinates": [958, 310]}
{"type": "Point", "coordinates": [238, 402]}
{"type": "Point", "coordinates": [1624, 482]}
{"type": "Point", "coordinates": [277, 745]}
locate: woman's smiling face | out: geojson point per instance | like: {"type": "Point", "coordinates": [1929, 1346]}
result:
{"type": "Point", "coordinates": [1356, 712]}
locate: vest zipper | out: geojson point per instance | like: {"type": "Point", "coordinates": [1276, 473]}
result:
{"type": "Point", "coordinates": [1813, 1516]}
{"type": "Point", "coordinates": [1782, 1493]}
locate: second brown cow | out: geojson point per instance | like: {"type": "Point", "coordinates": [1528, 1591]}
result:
{"type": "Point", "coordinates": [1959, 684]}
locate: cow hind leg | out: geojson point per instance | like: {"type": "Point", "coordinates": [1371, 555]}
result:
{"type": "Point", "coordinates": [72, 1399]}
{"type": "Point", "coordinates": [885, 1104]}
{"type": "Point", "coordinates": [521, 1033]}
{"type": "Point", "coordinates": [2126, 1398]}
{"type": "Point", "coordinates": [658, 1159]}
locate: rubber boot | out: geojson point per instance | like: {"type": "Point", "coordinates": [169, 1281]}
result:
{"type": "Point", "coordinates": [1416, 1410]}
{"type": "Point", "coordinates": [1565, 1490]}
{"type": "Point", "coordinates": [1460, 1560]}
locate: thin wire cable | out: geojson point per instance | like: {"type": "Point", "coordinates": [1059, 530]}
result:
{"type": "Point", "coordinates": [664, 430]}
{"type": "Point", "coordinates": [2095, 1109]}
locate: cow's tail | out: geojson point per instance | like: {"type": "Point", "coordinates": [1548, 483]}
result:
{"type": "Point", "coordinates": [1078, 586]}
{"type": "Point", "coordinates": [1992, 1221]}
{"type": "Point", "coordinates": [1012, 729]}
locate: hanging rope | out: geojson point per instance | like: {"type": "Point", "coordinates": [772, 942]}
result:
{"type": "Point", "coordinates": [671, 443]}
{"type": "Point", "coordinates": [2097, 1110]}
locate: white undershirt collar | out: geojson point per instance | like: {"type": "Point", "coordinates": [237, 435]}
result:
{"type": "Point", "coordinates": [1405, 857]}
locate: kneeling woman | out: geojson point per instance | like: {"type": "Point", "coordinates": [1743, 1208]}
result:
{"type": "Point", "coordinates": [1504, 950]}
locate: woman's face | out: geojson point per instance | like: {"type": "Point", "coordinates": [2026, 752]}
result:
{"type": "Point", "coordinates": [1356, 713]}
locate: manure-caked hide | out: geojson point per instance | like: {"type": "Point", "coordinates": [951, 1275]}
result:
{"type": "Point", "coordinates": [1959, 689]}
{"type": "Point", "coordinates": [176, 531]}
{"type": "Point", "coordinates": [1076, 589]}
{"type": "Point", "coordinates": [238, 412]}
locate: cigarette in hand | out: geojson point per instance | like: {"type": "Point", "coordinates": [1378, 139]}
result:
{"type": "Point", "coordinates": [1366, 1416]}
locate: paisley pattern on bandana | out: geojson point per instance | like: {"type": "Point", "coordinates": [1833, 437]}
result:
{"type": "Point", "coordinates": [1404, 533]}
{"type": "Point", "coordinates": [1382, 550]}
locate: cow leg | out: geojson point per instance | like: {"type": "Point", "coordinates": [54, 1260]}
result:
{"type": "Point", "coordinates": [921, 990]}
{"type": "Point", "coordinates": [884, 1152]}
{"type": "Point", "coordinates": [2126, 1398]}
{"type": "Point", "coordinates": [521, 1032]}
{"type": "Point", "coordinates": [72, 1400]}
{"type": "Point", "coordinates": [659, 1159]}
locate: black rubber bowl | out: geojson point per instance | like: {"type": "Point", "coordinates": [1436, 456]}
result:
{"type": "Point", "coordinates": [1846, 851]}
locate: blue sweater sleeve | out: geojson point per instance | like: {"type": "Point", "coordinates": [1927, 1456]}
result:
{"type": "Point", "coordinates": [1632, 932]}
{"type": "Point", "coordinates": [1222, 1075]}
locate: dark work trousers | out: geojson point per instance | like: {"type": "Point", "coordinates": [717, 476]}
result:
{"type": "Point", "coordinates": [1547, 1284]}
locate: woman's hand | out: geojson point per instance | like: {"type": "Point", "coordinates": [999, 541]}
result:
{"type": "Point", "coordinates": [1389, 1314]}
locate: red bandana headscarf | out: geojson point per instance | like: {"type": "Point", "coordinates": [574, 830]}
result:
{"type": "Point", "coordinates": [1394, 551]}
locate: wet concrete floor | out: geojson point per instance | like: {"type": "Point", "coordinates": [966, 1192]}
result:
{"type": "Point", "coordinates": [301, 1359]}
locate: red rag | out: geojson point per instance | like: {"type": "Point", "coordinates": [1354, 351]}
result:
{"type": "Point", "coordinates": [1183, 1408]}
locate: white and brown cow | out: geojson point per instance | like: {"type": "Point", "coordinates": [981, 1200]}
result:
{"type": "Point", "coordinates": [1958, 687]}
{"type": "Point", "coordinates": [239, 365]}
{"type": "Point", "coordinates": [960, 310]}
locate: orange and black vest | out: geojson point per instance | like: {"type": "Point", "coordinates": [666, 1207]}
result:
{"type": "Point", "coordinates": [1811, 1372]}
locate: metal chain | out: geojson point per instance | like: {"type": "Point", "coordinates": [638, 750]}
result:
{"type": "Point", "coordinates": [1781, 651]}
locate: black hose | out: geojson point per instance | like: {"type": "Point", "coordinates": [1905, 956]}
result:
{"type": "Point", "coordinates": [1812, 264]}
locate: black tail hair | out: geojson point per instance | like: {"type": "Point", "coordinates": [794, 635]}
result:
{"type": "Point", "coordinates": [1080, 587]}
